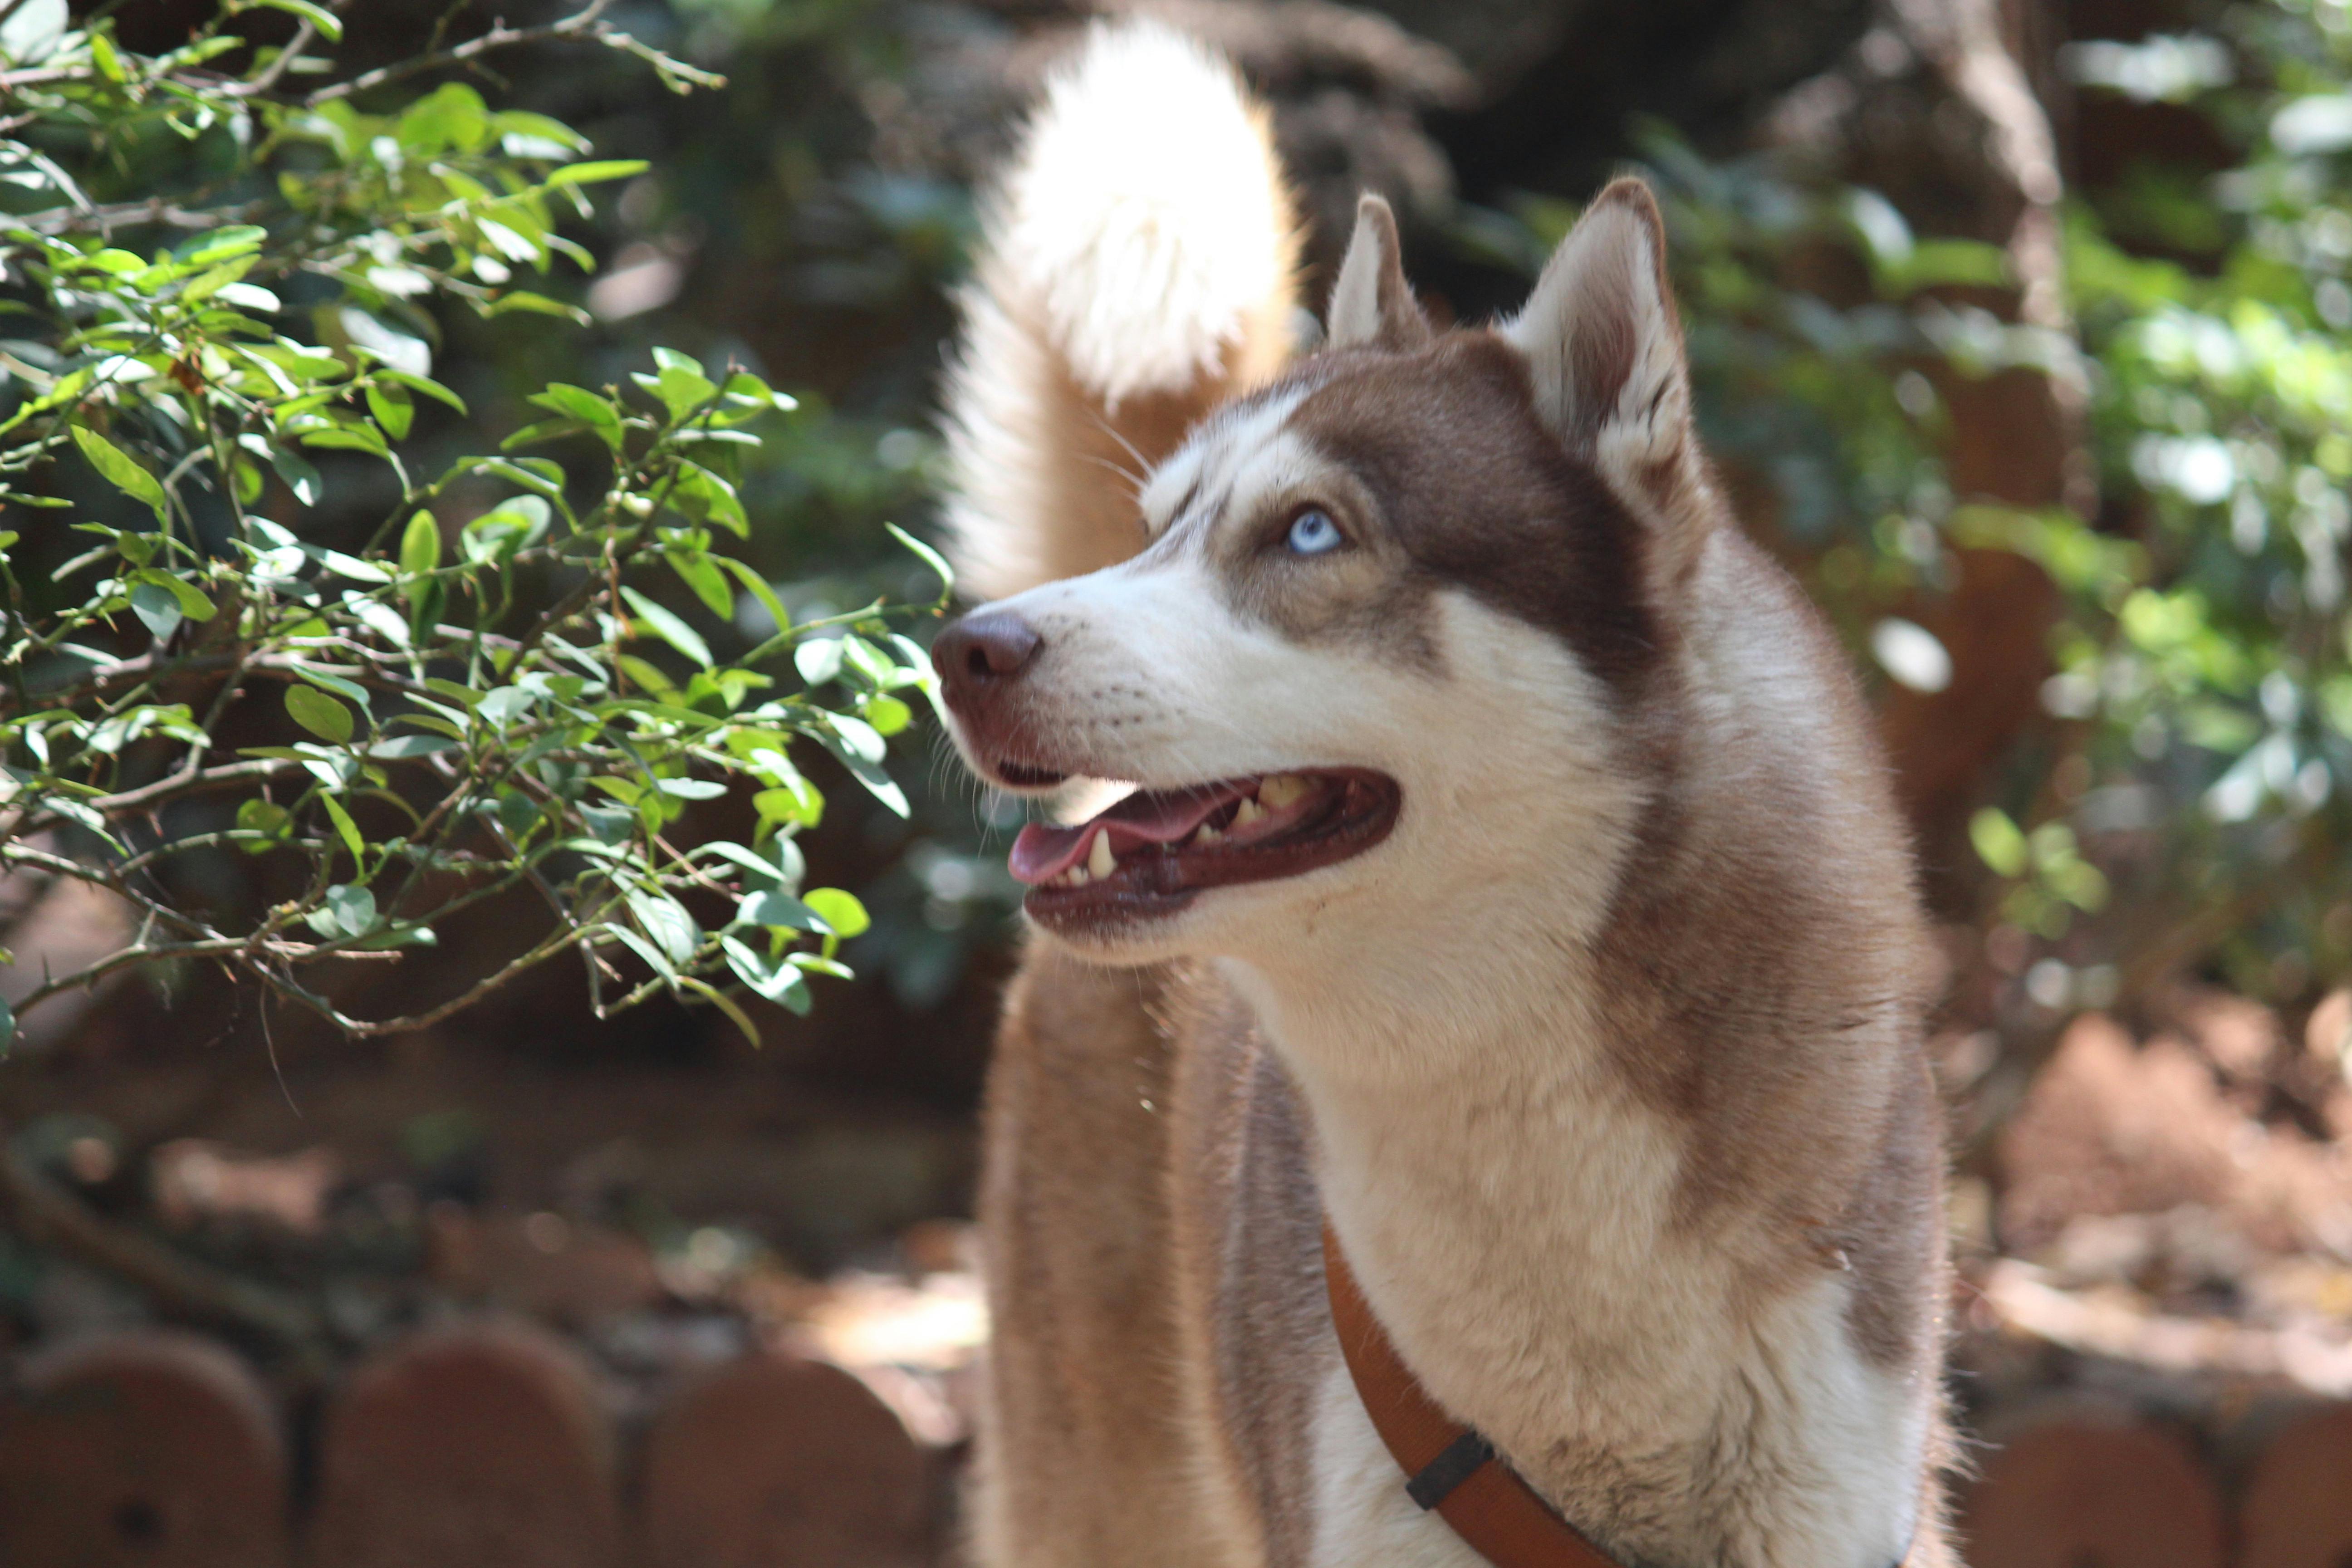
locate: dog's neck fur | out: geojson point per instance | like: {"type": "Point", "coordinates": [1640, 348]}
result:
{"type": "Point", "coordinates": [1513, 1207]}
{"type": "Point", "coordinates": [1510, 1208]}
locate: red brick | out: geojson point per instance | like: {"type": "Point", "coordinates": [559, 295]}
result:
{"type": "Point", "coordinates": [476, 1447]}
{"type": "Point", "coordinates": [778, 1461]}
{"type": "Point", "coordinates": [2297, 1509]}
{"type": "Point", "coordinates": [150, 1449]}
{"type": "Point", "coordinates": [2084, 1493]}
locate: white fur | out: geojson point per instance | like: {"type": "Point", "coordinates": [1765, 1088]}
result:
{"type": "Point", "coordinates": [1236, 465]}
{"type": "Point", "coordinates": [1140, 233]}
{"type": "Point", "coordinates": [1145, 214]}
{"type": "Point", "coordinates": [1361, 1514]}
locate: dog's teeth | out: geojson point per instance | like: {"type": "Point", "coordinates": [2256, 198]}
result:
{"type": "Point", "coordinates": [1099, 859]}
{"type": "Point", "coordinates": [1249, 811]}
{"type": "Point", "coordinates": [1281, 790]}
{"type": "Point", "coordinates": [1206, 834]}
{"type": "Point", "coordinates": [1075, 877]}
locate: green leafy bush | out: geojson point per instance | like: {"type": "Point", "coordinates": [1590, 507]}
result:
{"type": "Point", "coordinates": [2189, 801]}
{"type": "Point", "coordinates": [213, 279]}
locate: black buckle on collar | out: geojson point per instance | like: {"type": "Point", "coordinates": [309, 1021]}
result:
{"type": "Point", "coordinates": [1438, 1479]}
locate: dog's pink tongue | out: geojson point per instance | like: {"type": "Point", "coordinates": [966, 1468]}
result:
{"type": "Point", "coordinates": [1043, 852]}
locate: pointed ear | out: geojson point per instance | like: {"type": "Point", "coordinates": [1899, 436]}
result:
{"type": "Point", "coordinates": [1604, 345]}
{"type": "Point", "coordinates": [1370, 303]}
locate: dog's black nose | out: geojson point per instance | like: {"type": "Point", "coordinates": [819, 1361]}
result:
{"type": "Point", "coordinates": [983, 652]}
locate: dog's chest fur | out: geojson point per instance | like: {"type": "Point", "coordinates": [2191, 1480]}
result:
{"type": "Point", "coordinates": [1669, 1432]}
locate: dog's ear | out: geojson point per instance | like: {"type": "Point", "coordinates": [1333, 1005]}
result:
{"type": "Point", "coordinates": [1604, 345]}
{"type": "Point", "coordinates": [1370, 303]}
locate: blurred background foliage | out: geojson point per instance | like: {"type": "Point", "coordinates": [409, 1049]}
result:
{"type": "Point", "coordinates": [2042, 388]}
{"type": "Point", "coordinates": [2179, 800]}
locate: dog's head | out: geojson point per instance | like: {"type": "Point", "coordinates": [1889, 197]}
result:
{"type": "Point", "coordinates": [1397, 634]}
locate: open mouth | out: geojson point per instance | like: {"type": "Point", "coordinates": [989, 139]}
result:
{"type": "Point", "coordinates": [1152, 852]}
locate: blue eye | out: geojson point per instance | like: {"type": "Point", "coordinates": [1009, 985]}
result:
{"type": "Point", "coordinates": [1313, 534]}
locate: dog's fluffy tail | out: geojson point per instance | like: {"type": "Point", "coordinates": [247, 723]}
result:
{"type": "Point", "coordinates": [1137, 267]}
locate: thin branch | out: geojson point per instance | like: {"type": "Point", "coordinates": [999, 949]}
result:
{"type": "Point", "coordinates": [360, 1028]}
{"type": "Point", "coordinates": [218, 948]}
{"type": "Point", "coordinates": [584, 23]}
{"type": "Point", "coordinates": [201, 781]}
{"type": "Point", "coordinates": [156, 209]}
{"type": "Point", "coordinates": [267, 80]}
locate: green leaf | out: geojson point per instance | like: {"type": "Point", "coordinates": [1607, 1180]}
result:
{"type": "Point", "coordinates": [102, 55]}
{"type": "Point", "coordinates": [350, 439]}
{"type": "Point", "coordinates": [32, 30]}
{"type": "Point", "coordinates": [780, 909]}
{"type": "Point", "coordinates": [590, 174]}
{"type": "Point", "coordinates": [928, 557]}
{"type": "Point", "coordinates": [157, 607]}
{"type": "Point", "coordinates": [653, 956]}
{"type": "Point", "coordinates": [424, 385]}
{"type": "Point", "coordinates": [407, 748]}
{"type": "Point", "coordinates": [708, 499]}
{"type": "Point", "coordinates": [598, 414]}
{"type": "Point", "coordinates": [779, 982]}
{"type": "Point", "coordinates": [331, 28]}
{"type": "Point", "coordinates": [451, 118]}
{"type": "Point", "coordinates": [222, 244]}
{"type": "Point", "coordinates": [515, 125]}
{"type": "Point", "coordinates": [393, 408]}
{"type": "Point", "coordinates": [887, 715]}
{"type": "Point", "coordinates": [494, 537]}
{"type": "Point", "coordinates": [7, 1026]}
{"type": "Point", "coordinates": [258, 816]}
{"type": "Point", "coordinates": [1998, 842]}
{"type": "Point", "coordinates": [538, 305]}
{"type": "Point", "coordinates": [610, 826]}
{"type": "Point", "coordinates": [797, 804]}
{"type": "Point", "coordinates": [354, 568]}
{"type": "Point", "coordinates": [879, 783]}
{"type": "Point", "coordinates": [350, 689]}
{"type": "Point", "coordinates": [536, 473]}
{"type": "Point", "coordinates": [413, 936]}
{"type": "Point", "coordinates": [318, 713]}
{"type": "Point", "coordinates": [759, 589]}
{"type": "Point", "coordinates": [751, 390]}
{"type": "Point", "coordinates": [681, 386]}
{"type": "Point", "coordinates": [191, 600]}
{"type": "Point", "coordinates": [345, 828]}
{"type": "Point", "coordinates": [543, 430]}
{"type": "Point", "coordinates": [118, 469]}
{"type": "Point", "coordinates": [841, 911]}
{"type": "Point", "coordinates": [784, 871]}
{"type": "Point", "coordinates": [818, 661]}
{"type": "Point", "coordinates": [725, 1005]}
{"type": "Point", "coordinates": [858, 738]}
{"type": "Point", "coordinates": [669, 628]}
{"type": "Point", "coordinates": [420, 545]}
{"type": "Point", "coordinates": [695, 570]}
{"type": "Point", "coordinates": [296, 470]}
{"type": "Point", "coordinates": [664, 920]}
{"type": "Point", "coordinates": [347, 911]}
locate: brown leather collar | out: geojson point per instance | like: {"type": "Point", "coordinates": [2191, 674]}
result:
{"type": "Point", "coordinates": [1448, 1467]}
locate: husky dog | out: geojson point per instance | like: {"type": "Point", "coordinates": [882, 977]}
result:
{"type": "Point", "coordinates": [1510, 881]}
